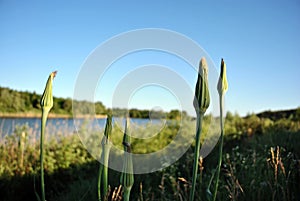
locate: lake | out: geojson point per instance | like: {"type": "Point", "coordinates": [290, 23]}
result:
{"type": "Point", "coordinates": [64, 125]}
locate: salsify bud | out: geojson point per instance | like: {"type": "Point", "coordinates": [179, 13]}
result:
{"type": "Point", "coordinates": [127, 178]}
{"type": "Point", "coordinates": [202, 98]}
{"type": "Point", "coordinates": [222, 84]}
{"type": "Point", "coordinates": [108, 129]}
{"type": "Point", "coordinates": [47, 97]}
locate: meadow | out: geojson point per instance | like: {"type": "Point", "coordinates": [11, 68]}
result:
{"type": "Point", "coordinates": [260, 162]}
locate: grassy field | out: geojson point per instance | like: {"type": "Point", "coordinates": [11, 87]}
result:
{"type": "Point", "coordinates": [261, 161]}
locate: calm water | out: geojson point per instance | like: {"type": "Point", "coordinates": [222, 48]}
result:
{"type": "Point", "coordinates": [62, 125]}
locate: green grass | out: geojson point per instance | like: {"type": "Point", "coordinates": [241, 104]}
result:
{"type": "Point", "coordinates": [247, 171]}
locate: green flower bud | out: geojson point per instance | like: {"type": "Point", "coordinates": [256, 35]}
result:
{"type": "Point", "coordinates": [202, 98]}
{"type": "Point", "coordinates": [47, 97]}
{"type": "Point", "coordinates": [222, 84]}
{"type": "Point", "coordinates": [108, 129]}
{"type": "Point", "coordinates": [127, 178]}
{"type": "Point", "coordinates": [103, 169]}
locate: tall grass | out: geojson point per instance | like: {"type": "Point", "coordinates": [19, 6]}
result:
{"type": "Point", "coordinates": [247, 162]}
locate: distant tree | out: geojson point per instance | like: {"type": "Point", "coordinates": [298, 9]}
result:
{"type": "Point", "coordinates": [174, 114]}
{"type": "Point", "coordinates": [27, 101]}
{"type": "Point", "coordinates": [118, 112]}
{"type": "Point", "coordinates": [100, 108]}
{"type": "Point", "coordinates": [7, 100]}
{"type": "Point", "coordinates": [35, 100]}
{"type": "Point", "coordinates": [67, 105]}
{"type": "Point", "coordinates": [229, 116]}
{"type": "Point", "coordinates": [12, 101]}
{"type": "Point", "coordinates": [157, 114]}
{"type": "Point", "coordinates": [135, 113]}
{"type": "Point", "coordinates": [297, 114]}
{"type": "Point", "coordinates": [145, 114]}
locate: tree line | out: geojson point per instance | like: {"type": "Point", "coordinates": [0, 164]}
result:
{"type": "Point", "coordinates": [12, 101]}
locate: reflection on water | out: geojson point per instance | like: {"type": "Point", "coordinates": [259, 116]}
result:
{"type": "Point", "coordinates": [67, 125]}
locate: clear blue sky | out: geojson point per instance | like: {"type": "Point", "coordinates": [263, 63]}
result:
{"type": "Point", "coordinates": [259, 41]}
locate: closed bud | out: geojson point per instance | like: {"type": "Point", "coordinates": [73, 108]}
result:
{"type": "Point", "coordinates": [127, 178]}
{"type": "Point", "coordinates": [108, 129]}
{"type": "Point", "coordinates": [47, 97]}
{"type": "Point", "coordinates": [222, 84]}
{"type": "Point", "coordinates": [202, 98]}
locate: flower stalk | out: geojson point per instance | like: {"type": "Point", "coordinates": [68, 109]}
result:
{"type": "Point", "coordinates": [127, 178]}
{"type": "Point", "coordinates": [46, 105]}
{"type": "Point", "coordinates": [103, 168]}
{"type": "Point", "coordinates": [201, 103]}
{"type": "Point", "coordinates": [222, 88]}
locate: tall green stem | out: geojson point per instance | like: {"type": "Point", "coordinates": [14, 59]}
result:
{"type": "Point", "coordinates": [196, 156]}
{"type": "Point", "coordinates": [127, 178]}
{"type": "Point", "coordinates": [43, 126]}
{"type": "Point", "coordinates": [126, 194]}
{"type": "Point", "coordinates": [46, 105]}
{"type": "Point", "coordinates": [222, 88]}
{"type": "Point", "coordinates": [201, 103]}
{"type": "Point", "coordinates": [103, 168]}
{"type": "Point", "coordinates": [220, 146]}
{"type": "Point", "coordinates": [103, 172]}
{"type": "Point", "coordinates": [99, 181]}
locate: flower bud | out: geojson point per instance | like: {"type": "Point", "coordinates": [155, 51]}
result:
{"type": "Point", "coordinates": [127, 178]}
{"type": "Point", "coordinates": [222, 84]}
{"type": "Point", "coordinates": [47, 97]}
{"type": "Point", "coordinates": [202, 98]}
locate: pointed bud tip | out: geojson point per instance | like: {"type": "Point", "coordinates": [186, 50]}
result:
{"type": "Point", "coordinates": [53, 74]}
{"type": "Point", "coordinates": [203, 61]}
{"type": "Point", "coordinates": [223, 84]}
{"type": "Point", "coordinates": [202, 97]}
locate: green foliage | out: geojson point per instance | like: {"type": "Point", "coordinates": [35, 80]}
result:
{"type": "Point", "coordinates": [247, 172]}
{"type": "Point", "coordinates": [147, 114]}
{"type": "Point", "coordinates": [12, 101]}
{"type": "Point", "coordinates": [297, 114]}
{"type": "Point", "coordinates": [283, 114]}
{"type": "Point", "coordinates": [16, 102]}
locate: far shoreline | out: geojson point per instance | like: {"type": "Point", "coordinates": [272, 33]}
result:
{"type": "Point", "coordinates": [51, 115]}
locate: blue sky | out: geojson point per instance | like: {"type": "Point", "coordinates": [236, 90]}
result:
{"type": "Point", "coordinates": [259, 41]}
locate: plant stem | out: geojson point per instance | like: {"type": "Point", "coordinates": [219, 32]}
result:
{"type": "Point", "coordinates": [127, 178]}
{"type": "Point", "coordinates": [99, 181]}
{"type": "Point", "coordinates": [126, 194]}
{"type": "Point", "coordinates": [103, 173]}
{"type": "Point", "coordinates": [221, 97]}
{"type": "Point", "coordinates": [196, 156]}
{"type": "Point", "coordinates": [43, 126]}
{"type": "Point", "coordinates": [103, 168]}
